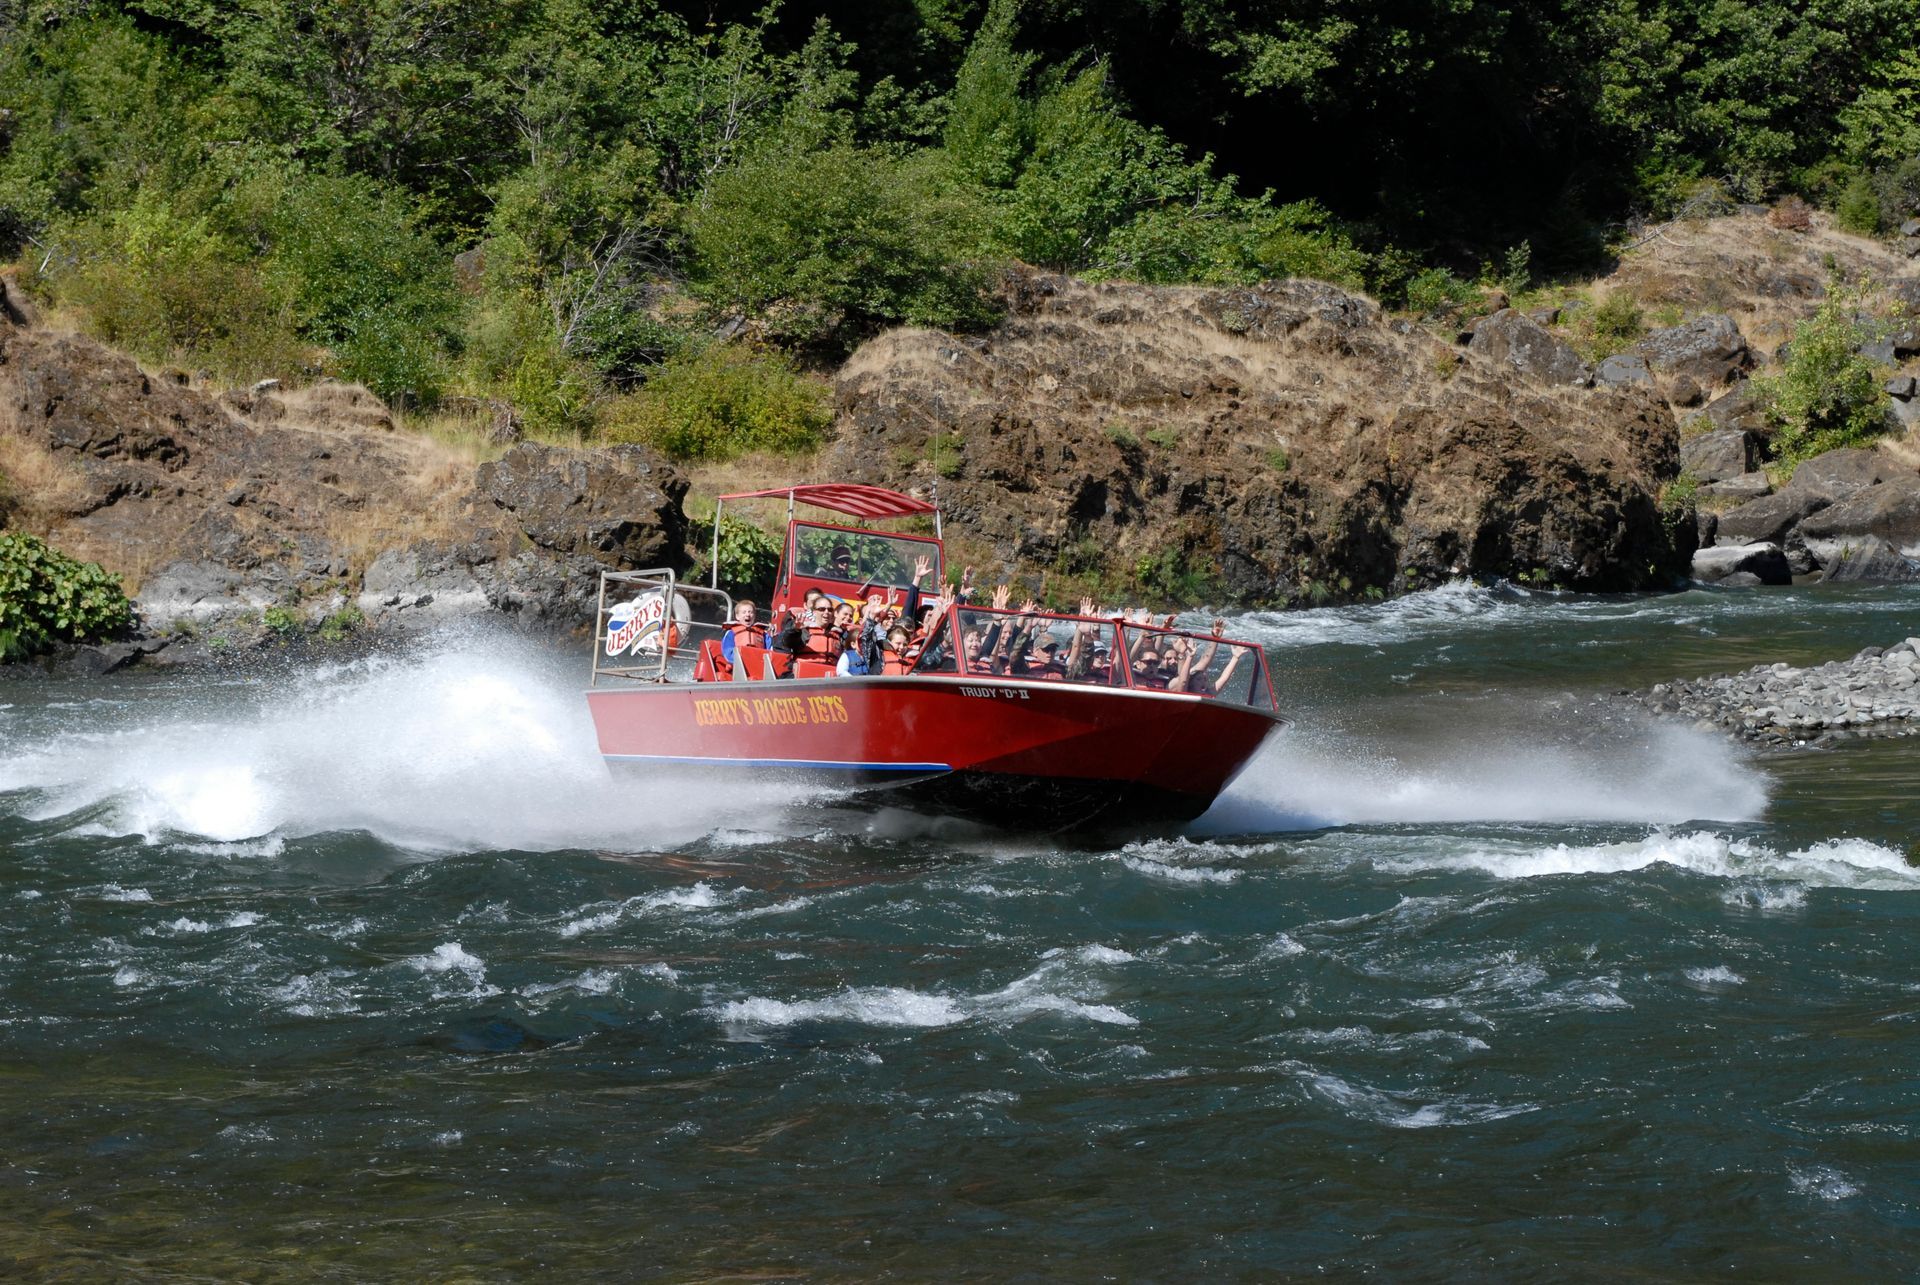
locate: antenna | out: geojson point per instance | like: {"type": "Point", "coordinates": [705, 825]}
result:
{"type": "Point", "coordinates": [935, 490]}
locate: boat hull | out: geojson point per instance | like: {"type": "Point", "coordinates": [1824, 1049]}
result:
{"type": "Point", "coordinates": [1027, 754]}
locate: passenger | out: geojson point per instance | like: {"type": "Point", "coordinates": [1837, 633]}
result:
{"type": "Point", "coordinates": [1044, 661]}
{"type": "Point", "coordinates": [897, 655]}
{"type": "Point", "coordinates": [1100, 667]}
{"type": "Point", "coordinates": [1193, 667]}
{"type": "Point", "coordinates": [839, 563]}
{"type": "Point", "coordinates": [872, 641]}
{"type": "Point", "coordinates": [842, 633]}
{"type": "Point", "coordinates": [1146, 669]}
{"type": "Point", "coordinates": [743, 632]}
{"type": "Point", "coordinates": [970, 645]}
{"type": "Point", "coordinates": [818, 623]}
{"type": "Point", "coordinates": [852, 663]}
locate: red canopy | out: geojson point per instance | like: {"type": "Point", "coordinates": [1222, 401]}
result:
{"type": "Point", "coordinates": [847, 497]}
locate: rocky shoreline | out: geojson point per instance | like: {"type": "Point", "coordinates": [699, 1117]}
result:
{"type": "Point", "coordinates": [1876, 693]}
{"type": "Point", "coordinates": [1289, 444]}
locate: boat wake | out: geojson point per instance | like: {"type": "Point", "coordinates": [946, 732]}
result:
{"type": "Point", "coordinates": [1653, 774]}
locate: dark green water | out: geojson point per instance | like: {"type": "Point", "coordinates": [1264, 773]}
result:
{"type": "Point", "coordinates": [369, 972]}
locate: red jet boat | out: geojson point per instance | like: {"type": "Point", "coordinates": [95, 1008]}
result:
{"type": "Point", "coordinates": [1020, 718]}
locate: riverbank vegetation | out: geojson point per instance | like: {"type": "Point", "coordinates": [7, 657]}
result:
{"type": "Point", "coordinates": [47, 598]}
{"type": "Point", "coordinates": [560, 203]}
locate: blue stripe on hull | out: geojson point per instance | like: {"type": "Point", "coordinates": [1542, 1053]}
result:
{"type": "Point", "coordinates": [834, 764]}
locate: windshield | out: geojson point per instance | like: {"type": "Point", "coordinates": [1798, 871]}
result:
{"type": "Point", "coordinates": [1034, 646]}
{"type": "Point", "coordinates": [862, 557]}
{"type": "Point", "coordinates": [1203, 666]}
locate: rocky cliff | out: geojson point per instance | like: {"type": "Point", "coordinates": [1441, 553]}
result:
{"type": "Point", "coordinates": [219, 508]}
{"type": "Point", "coordinates": [1291, 439]}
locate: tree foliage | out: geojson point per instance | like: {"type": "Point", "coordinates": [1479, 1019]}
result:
{"type": "Point", "coordinates": [282, 188]}
{"type": "Point", "coordinates": [725, 401]}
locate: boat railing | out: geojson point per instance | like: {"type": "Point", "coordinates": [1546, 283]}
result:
{"type": "Point", "coordinates": [996, 642]}
{"type": "Point", "coordinates": [650, 626]}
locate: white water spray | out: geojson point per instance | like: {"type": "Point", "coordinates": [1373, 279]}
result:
{"type": "Point", "coordinates": [1304, 780]}
{"type": "Point", "coordinates": [484, 743]}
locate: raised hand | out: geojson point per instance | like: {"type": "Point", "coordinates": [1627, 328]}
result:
{"type": "Point", "coordinates": [966, 580]}
{"type": "Point", "coordinates": [1001, 593]}
{"type": "Point", "coordinates": [921, 566]}
{"type": "Point", "coordinates": [1168, 622]}
{"type": "Point", "coordinates": [1219, 629]}
{"type": "Point", "coordinates": [1086, 606]}
{"type": "Point", "coordinates": [1029, 607]}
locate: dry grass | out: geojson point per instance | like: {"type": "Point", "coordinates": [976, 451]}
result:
{"type": "Point", "coordinates": [432, 479]}
{"type": "Point", "coordinates": [40, 490]}
{"type": "Point", "coordinates": [760, 471]}
{"type": "Point", "coordinates": [1763, 277]}
{"type": "Point", "coordinates": [1905, 448]}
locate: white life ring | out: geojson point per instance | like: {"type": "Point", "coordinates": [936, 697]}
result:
{"type": "Point", "coordinates": [644, 624]}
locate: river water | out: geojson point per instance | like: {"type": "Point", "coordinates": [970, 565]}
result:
{"type": "Point", "coordinates": [368, 971]}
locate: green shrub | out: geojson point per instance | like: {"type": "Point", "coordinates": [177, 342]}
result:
{"type": "Point", "coordinates": [1858, 206]}
{"type": "Point", "coordinates": [1222, 240]}
{"type": "Point", "coordinates": [555, 396]}
{"type": "Point", "coordinates": [164, 283]}
{"type": "Point", "coordinates": [1122, 436]}
{"type": "Point", "coordinates": [1677, 498]}
{"type": "Point", "coordinates": [1826, 395]}
{"type": "Point", "coordinates": [339, 624]}
{"type": "Point", "coordinates": [1169, 576]}
{"type": "Point", "coordinates": [948, 452]}
{"type": "Point", "coordinates": [1436, 292]}
{"type": "Point", "coordinates": [723, 402]}
{"type": "Point", "coordinates": [284, 621]}
{"type": "Point", "coordinates": [47, 597]}
{"type": "Point", "coordinates": [1617, 323]}
{"type": "Point", "coordinates": [749, 557]}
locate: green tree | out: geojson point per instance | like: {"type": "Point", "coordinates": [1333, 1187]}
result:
{"type": "Point", "coordinates": [831, 244]}
{"type": "Point", "coordinates": [364, 280]}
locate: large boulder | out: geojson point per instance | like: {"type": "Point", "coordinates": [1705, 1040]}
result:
{"type": "Point", "coordinates": [1709, 351]}
{"type": "Point", "coordinates": [1622, 370]}
{"type": "Point", "coordinates": [1738, 489]}
{"type": "Point", "coordinates": [1888, 513]}
{"type": "Point", "coordinates": [1836, 475]}
{"type": "Point", "coordinates": [1766, 562]}
{"type": "Point", "coordinates": [620, 505]}
{"type": "Point", "coordinates": [1522, 345]}
{"type": "Point", "coordinates": [1712, 457]}
{"type": "Point", "coordinates": [1768, 519]}
{"type": "Point", "coordinates": [430, 582]}
{"type": "Point", "coordinates": [198, 593]}
{"type": "Point", "coordinates": [1874, 562]}
{"type": "Point", "coordinates": [1740, 407]}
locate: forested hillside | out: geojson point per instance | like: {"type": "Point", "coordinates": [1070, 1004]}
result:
{"type": "Point", "coordinates": [555, 202]}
